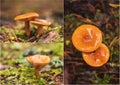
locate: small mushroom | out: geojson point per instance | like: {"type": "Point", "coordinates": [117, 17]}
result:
{"type": "Point", "coordinates": [40, 23]}
{"type": "Point", "coordinates": [98, 57]}
{"type": "Point", "coordinates": [38, 62]}
{"type": "Point", "coordinates": [27, 17]}
{"type": "Point", "coordinates": [87, 38]}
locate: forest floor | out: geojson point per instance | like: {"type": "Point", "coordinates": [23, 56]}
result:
{"type": "Point", "coordinates": [105, 15]}
{"type": "Point", "coordinates": [16, 33]}
{"type": "Point", "coordinates": [15, 69]}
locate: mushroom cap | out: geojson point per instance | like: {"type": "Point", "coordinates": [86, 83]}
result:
{"type": "Point", "coordinates": [87, 38]}
{"type": "Point", "coordinates": [97, 58]}
{"type": "Point", "coordinates": [41, 22]}
{"type": "Point", "coordinates": [38, 60]}
{"type": "Point", "coordinates": [27, 16]}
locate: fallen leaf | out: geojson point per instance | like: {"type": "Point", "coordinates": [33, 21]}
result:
{"type": "Point", "coordinates": [3, 67]}
{"type": "Point", "coordinates": [51, 35]}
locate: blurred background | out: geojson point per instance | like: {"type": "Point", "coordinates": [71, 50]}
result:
{"type": "Point", "coordinates": [51, 10]}
{"type": "Point", "coordinates": [14, 69]}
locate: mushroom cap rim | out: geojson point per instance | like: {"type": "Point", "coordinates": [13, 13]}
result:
{"type": "Point", "coordinates": [107, 56]}
{"type": "Point", "coordinates": [32, 60]}
{"type": "Point", "coordinates": [26, 16]}
{"type": "Point", "coordinates": [41, 22]}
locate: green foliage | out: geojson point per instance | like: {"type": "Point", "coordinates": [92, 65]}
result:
{"type": "Point", "coordinates": [57, 28]}
{"type": "Point", "coordinates": [21, 74]}
{"type": "Point", "coordinates": [29, 52]}
{"type": "Point", "coordinates": [42, 81]}
{"type": "Point", "coordinates": [58, 50]}
{"type": "Point", "coordinates": [72, 22]}
{"type": "Point", "coordinates": [104, 41]}
{"type": "Point", "coordinates": [56, 71]}
{"type": "Point", "coordinates": [56, 63]}
{"type": "Point", "coordinates": [67, 42]}
{"type": "Point", "coordinates": [104, 80]}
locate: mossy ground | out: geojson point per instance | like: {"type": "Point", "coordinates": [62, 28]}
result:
{"type": "Point", "coordinates": [19, 71]}
{"type": "Point", "coordinates": [16, 33]}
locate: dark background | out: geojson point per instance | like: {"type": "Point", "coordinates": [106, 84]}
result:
{"type": "Point", "coordinates": [106, 18]}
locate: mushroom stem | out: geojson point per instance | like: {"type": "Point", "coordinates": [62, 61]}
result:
{"type": "Point", "coordinates": [40, 30]}
{"type": "Point", "coordinates": [37, 74]}
{"type": "Point", "coordinates": [27, 29]}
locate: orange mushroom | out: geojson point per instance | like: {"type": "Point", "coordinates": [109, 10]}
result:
{"type": "Point", "coordinates": [40, 23]}
{"type": "Point", "coordinates": [27, 17]}
{"type": "Point", "coordinates": [38, 62]}
{"type": "Point", "coordinates": [98, 57]}
{"type": "Point", "coordinates": [87, 38]}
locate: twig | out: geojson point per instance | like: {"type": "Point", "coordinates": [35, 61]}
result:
{"type": "Point", "coordinates": [84, 19]}
{"type": "Point", "coordinates": [114, 40]}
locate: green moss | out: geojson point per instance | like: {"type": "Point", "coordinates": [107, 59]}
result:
{"type": "Point", "coordinates": [24, 73]}
{"type": "Point", "coordinates": [17, 33]}
{"type": "Point", "coordinates": [101, 80]}
{"type": "Point", "coordinates": [20, 72]}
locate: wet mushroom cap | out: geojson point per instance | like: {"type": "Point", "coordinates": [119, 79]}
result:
{"type": "Point", "coordinates": [97, 58]}
{"type": "Point", "coordinates": [87, 38]}
{"type": "Point", "coordinates": [38, 60]}
{"type": "Point", "coordinates": [41, 22]}
{"type": "Point", "coordinates": [27, 16]}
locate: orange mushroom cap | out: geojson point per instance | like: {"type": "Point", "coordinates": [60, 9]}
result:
{"type": "Point", "coordinates": [27, 16]}
{"type": "Point", "coordinates": [38, 61]}
{"type": "Point", "coordinates": [87, 38]}
{"type": "Point", "coordinates": [41, 22]}
{"type": "Point", "coordinates": [97, 58]}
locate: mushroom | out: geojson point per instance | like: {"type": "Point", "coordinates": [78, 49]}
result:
{"type": "Point", "coordinates": [87, 38]}
{"type": "Point", "coordinates": [98, 57]}
{"type": "Point", "coordinates": [27, 17]}
{"type": "Point", "coordinates": [40, 23]}
{"type": "Point", "coordinates": [38, 62]}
